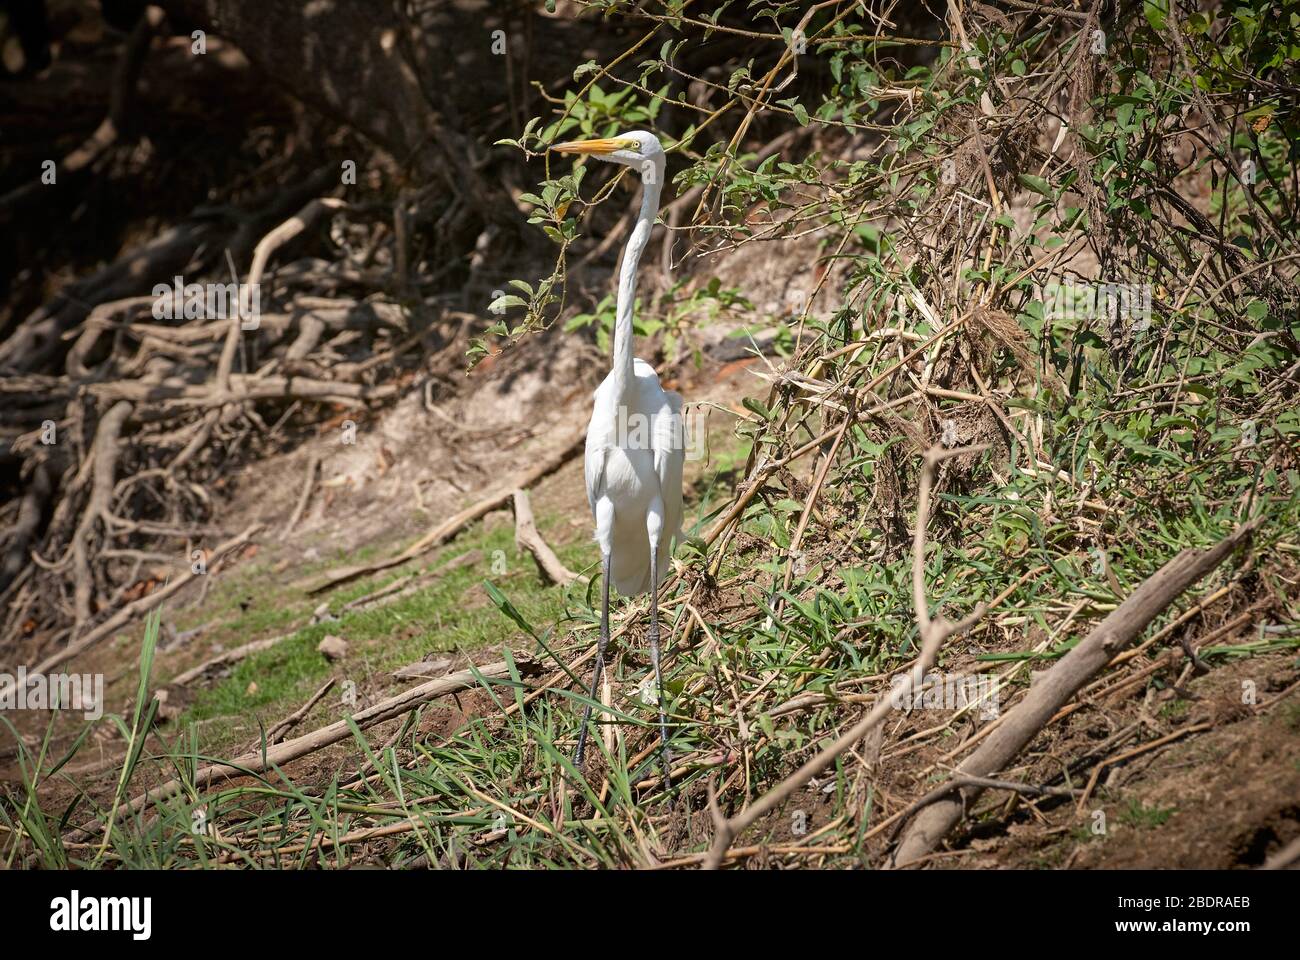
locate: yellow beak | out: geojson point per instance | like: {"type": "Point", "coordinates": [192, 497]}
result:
{"type": "Point", "coordinates": [600, 147]}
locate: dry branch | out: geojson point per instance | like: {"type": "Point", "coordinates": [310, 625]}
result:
{"type": "Point", "coordinates": [528, 537]}
{"type": "Point", "coordinates": [227, 657]}
{"type": "Point", "coordinates": [256, 762]}
{"type": "Point", "coordinates": [277, 732]}
{"type": "Point", "coordinates": [313, 464]}
{"type": "Point", "coordinates": [405, 586]}
{"type": "Point", "coordinates": [134, 609]}
{"type": "Point", "coordinates": [1120, 628]}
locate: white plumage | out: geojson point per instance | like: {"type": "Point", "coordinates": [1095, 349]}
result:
{"type": "Point", "coordinates": [636, 439]}
{"type": "Point", "coordinates": [642, 482]}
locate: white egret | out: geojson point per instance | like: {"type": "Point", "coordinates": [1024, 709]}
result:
{"type": "Point", "coordinates": [635, 441]}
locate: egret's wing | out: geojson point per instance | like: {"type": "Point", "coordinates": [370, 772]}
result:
{"type": "Point", "coordinates": [669, 444]}
{"type": "Point", "coordinates": [594, 470]}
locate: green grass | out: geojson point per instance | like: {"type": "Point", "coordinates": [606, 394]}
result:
{"type": "Point", "coordinates": [1291, 716]}
{"type": "Point", "coordinates": [1137, 814]}
{"type": "Point", "coordinates": [453, 614]}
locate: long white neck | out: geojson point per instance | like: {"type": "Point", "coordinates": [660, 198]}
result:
{"type": "Point", "coordinates": [622, 369]}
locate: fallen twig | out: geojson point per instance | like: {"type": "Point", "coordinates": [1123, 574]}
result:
{"type": "Point", "coordinates": [313, 464]}
{"type": "Point", "coordinates": [1136, 752]}
{"type": "Point", "coordinates": [988, 783]}
{"type": "Point", "coordinates": [277, 732]}
{"type": "Point", "coordinates": [405, 586]}
{"type": "Point", "coordinates": [1059, 684]}
{"type": "Point", "coordinates": [257, 762]}
{"type": "Point", "coordinates": [227, 657]}
{"type": "Point", "coordinates": [528, 537]}
{"type": "Point", "coordinates": [134, 609]}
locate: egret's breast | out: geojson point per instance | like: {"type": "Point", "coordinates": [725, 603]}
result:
{"type": "Point", "coordinates": [630, 479]}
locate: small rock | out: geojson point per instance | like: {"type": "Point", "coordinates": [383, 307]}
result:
{"type": "Point", "coordinates": [322, 613]}
{"type": "Point", "coordinates": [251, 689]}
{"type": "Point", "coordinates": [333, 648]}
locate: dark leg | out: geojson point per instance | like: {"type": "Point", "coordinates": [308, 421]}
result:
{"type": "Point", "coordinates": [664, 753]}
{"type": "Point", "coordinates": [600, 658]}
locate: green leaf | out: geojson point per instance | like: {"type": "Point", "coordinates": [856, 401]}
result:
{"type": "Point", "coordinates": [502, 603]}
{"type": "Point", "coordinates": [1036, 184]}
{"type": "Point", "coordinates": [1156, 13]}
{"type": "Point", "coordinates": [506, 301]}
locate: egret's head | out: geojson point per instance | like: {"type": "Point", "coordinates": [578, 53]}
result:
{"type": "Point", "coordinates": [638, 149]}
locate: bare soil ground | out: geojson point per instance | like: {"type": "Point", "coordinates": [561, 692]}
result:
{"type": "Point", "coordinates": [1220, 793]}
